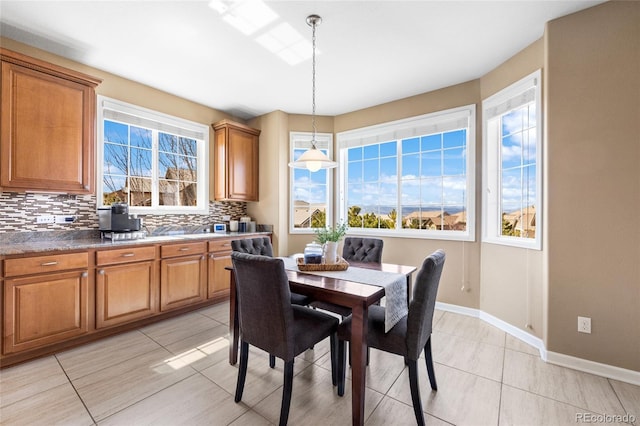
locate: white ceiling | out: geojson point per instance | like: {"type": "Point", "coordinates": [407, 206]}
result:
{"type": "Point", "coordinates": [372, 52]}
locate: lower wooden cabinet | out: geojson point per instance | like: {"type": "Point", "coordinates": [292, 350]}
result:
{"type": "Point", "coordinates": [51, 301]}
{"type": "Point", "coordinates": [125, 293]}
{"type": "Point", "coordinates": [127, 286]}
{"type": "Point", "coordinates": [44, 309]}
{"type": "Point", "coordinates": [183, 278]}
{"type": "Point", "coordinates": [219, 276]}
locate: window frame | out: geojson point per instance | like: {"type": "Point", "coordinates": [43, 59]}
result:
{"type": "Point", "coordinates": [404, 129]}
{"type": "Point", "coordinates": [202, 205]}
{"type": "Point", "coordinates": [509, 99]}
{"type": "Point", "coordinates": [302, 140]}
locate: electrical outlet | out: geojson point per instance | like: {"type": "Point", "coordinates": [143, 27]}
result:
{"type": "Point", "coordinates": [45, 219]}
{"type": "Point", "coordinates": [584, 325]}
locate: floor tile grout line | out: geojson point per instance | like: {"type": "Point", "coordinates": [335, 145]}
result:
{"type": "Point", "coordinates": [618, 398]}
{"type": "Point", "coordinates": [75, 390]}
{"type": "Point", "coordinates": [109, 366]}
{"type": "Point", "coordinates": [553, 399]}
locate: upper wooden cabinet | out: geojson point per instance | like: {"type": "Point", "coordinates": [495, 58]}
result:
{"type": "Point", "coordinates": [47, 123]}
{"type": "Point", "coordinates": [235, 152]}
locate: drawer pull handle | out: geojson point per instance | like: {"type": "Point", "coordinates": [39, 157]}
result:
{"type": "Point", "coordinates": [49, 263]}
{"type": "Point", "coordinates": [226, 245]}
{"type": "Point", "coordinates": [184, 248]}
{"type": "Point", "coordinates": [128, 254]}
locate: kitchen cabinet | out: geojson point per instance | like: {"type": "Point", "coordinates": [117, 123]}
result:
{"type": "Point", "coordinates": [219, 259]}
{"type": "Point", "coordinates": [235, 159]}
{"type": "Point", "coordinates": [47, 123]}
{"type": "Point", "coordinates": [46, 300]}
{"type": "Point", "coordinates": [183, 274]}
{"type": "Point", "coordinates": [127, 286]}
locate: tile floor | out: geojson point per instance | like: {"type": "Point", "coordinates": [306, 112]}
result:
{"type": "Point", "coordinates": [176, 372]}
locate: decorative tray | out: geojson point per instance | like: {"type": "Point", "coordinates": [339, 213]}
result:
{"type": "Point", "coordinates": [342, 265]}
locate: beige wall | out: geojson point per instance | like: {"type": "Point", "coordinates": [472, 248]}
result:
{"type": "Point", "coordinates": [593, 196]}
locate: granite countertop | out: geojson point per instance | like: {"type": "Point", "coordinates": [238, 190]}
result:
{"type": "Point", "coordinates": [62, 241]}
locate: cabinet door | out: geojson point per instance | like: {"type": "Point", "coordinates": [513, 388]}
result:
{"type": "Point", "coordinates": [219, 276]}
{"type": "Point", "coordinates": [44, 309]}
{"type": "Point", "coordinates": [125, 293]}
{"type": "Point", "coordinates": [242, 163]}
{"type": "Point", "coordinates": [47, 135]}
{"type": "Point", "coordinates": [182, 281]}
{"type": "Point", "coordinates": [235, 151]}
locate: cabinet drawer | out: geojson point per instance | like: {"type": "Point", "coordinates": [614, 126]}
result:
{"type": "Point", "coordinates": [220, 245]}
{"type": "Point", "coordinates": [132, 254]}
{"type": "Point", "coordinates": [49, 263]}
{"type": "Point", "coordinates": [173, 250]}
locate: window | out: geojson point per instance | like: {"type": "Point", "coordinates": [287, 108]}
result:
{"type": "Point", "coordinates": [411, 177]}
{"type": "Point", "coordinates": [512, 165]}
{"type": "Point", "coordinates": [311, 204]}
{"type": "Point", "coordinates": [152, 161]}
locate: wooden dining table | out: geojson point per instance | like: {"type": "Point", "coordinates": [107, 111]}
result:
{"type": "Point", "coordinates": [343, 292]}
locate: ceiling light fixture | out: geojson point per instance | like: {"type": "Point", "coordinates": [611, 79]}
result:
{"type": "Point", "coordinates": [313, 159]}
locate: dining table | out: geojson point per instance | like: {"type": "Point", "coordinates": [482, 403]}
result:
{"type": "Point", "coordinates": [343, 290]}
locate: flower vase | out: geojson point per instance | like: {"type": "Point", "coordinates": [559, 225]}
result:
{"type": "Point", "coordinates": [331, 252]}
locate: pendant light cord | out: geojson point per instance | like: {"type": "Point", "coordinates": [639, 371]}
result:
{"type": "Point", "coordinates": [313, 84]}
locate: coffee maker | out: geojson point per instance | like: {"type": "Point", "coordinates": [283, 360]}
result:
{"type": "Point", "coordinates": [116, 223]}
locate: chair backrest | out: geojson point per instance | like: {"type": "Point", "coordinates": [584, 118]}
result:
{"type": "Point", "coordinates": [362, 249]}
{"type": "Point", "coordinates": [264, 303]}
{"type": "Point", "coordinates": [425, 290]}
{"type": "Point", "coordinates": [258, 245]}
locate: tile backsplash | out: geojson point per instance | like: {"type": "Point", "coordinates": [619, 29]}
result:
{"type": "Point", "coordinates": [18, 212]}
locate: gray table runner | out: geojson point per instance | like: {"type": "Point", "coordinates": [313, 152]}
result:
{"type": "Point", "coordinates": [395, 287]}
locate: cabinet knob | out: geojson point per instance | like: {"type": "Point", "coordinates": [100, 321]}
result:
{"type": "Point", "coordinates": [211, 256]}
{"type": "Point", "coordinates": [101, 272]}
{"type": "Point", "coordinates": [85, 274]}
{"type": "Point", "coordinates": [203, 257]}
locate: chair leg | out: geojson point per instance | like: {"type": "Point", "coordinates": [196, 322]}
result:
{"type": "Point", "coordinates": [342, 366]}
{"type": "Point", "coordinates": [333, 340]}
{"type": "Point", "coordinates": [368, 354]}
{"type": "Point", "coordinates": [415, 392]}
{"type": "Point", "coordinates": [286, 392]}
{"type": "Point", "coordinates": [429, 360]}
{"type": "Point", "coordinates": [242, 370]}
{"type": "Point", "coordinates": [272, 361]}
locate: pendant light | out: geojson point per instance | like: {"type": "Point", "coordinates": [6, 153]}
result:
{"type": "Point", "coordinates": [313, 159]}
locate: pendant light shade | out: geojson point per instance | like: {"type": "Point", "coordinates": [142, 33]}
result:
{"type": "Point", "coordinates": [313, 159]}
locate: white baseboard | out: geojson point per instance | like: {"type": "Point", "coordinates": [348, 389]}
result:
{"type": "Point", "coordinates": [599, 369]}
{"type": "Point", "coordinates": [604, 370]}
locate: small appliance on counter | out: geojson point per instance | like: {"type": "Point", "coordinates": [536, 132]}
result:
{"type": "Point", "coordinates": [117, 224]}
{"type": "Point", "coordinates": [220, 228]}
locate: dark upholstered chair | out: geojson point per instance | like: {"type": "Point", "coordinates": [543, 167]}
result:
{"type": "Point", "coordinates": [410, 336]}
{"type": "Point", "coordinates": [262, 246]}
{"type": "Point", "coordinates": [367, 250]}
{"type": "Point", "coordinates": [270, 322]}
{"type": "Point", "coordinates": [362, 249]}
